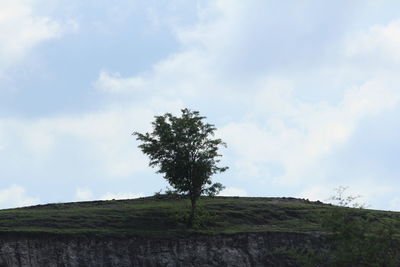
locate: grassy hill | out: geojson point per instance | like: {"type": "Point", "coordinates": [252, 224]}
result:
{"type": "Point", "coordinates": [164, 216]}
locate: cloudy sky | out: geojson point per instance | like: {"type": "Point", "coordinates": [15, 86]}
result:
{"type": "Point", "coordinates": [305, 93]}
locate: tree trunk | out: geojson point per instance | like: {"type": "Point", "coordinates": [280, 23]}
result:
{"type": "Point", "coordinates": [192, 212]}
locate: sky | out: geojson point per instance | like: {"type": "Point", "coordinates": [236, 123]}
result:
{"type": "Point", "coordinates": [306, 94]}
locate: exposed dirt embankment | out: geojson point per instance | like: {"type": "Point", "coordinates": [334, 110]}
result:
{"type": "Point", "coordinates": [247, 249]}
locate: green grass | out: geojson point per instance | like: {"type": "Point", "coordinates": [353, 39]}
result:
{"type": "Point", "coordinates": [163, 216]}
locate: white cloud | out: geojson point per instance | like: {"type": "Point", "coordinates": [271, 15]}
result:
{"type": "Point", "coordinates": [105, 137]}
{"type": "Point", "coordinates": [314, 193]}
{"type": "Point", "coordinates": [233, 191]}
{"type": "Point", "coordinates": [298, 135]}
{"type": "Point", "coordinates": [121, 195]}
{"type": "Point", "coordinates": [381, 41]}
{"type": "Point", "coordinates": [15, 196]}
{"type": "Point", "coordinates": [277, 127]}
{"type": "Point", "coordinates": [366, 193]}
{"type": "Point", "coordinates": [194, 71]}
{"type": "Point", "coordinates": [114, 83]}
{"type": "Point", "coordinates": [175, 76]}
{"type": "Point", "coordinates": [83, 194]}
{"type": "Point", "coordinates": [21, 30]}
{"type": "Point", "coordinates": [39, 138]}
{"type": "Point", "coordinates": [371, 191]}
{"type": "Point", "coordinates": [394, 204]}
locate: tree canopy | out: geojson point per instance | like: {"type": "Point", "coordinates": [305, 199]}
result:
{"type": "Point", "coordinates": [185, 151]}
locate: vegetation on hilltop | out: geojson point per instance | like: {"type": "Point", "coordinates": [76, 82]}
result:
{"type": "Point", "coordinates": [160, 215]}
{"type": "Point", "coordinates": [351, 235]}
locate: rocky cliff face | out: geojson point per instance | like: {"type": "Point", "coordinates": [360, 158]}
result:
{"type": "Point", "coordinates": [250, 249]}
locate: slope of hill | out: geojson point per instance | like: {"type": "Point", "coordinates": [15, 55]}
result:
{"type": "Point", "coordinates": [152, 232]}
{"type": "Point", "coordinates": [160, 216]}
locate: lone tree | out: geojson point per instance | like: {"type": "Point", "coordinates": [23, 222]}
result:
{"type": "Point", "coordinates": [184, 150]}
